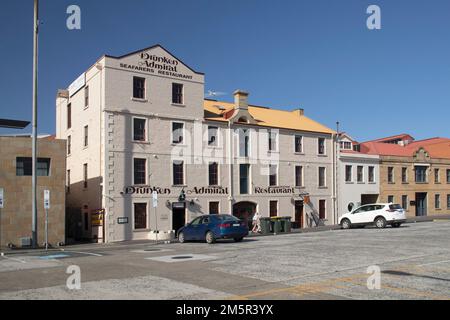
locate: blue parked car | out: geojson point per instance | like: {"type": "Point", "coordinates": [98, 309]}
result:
{"type": "Point", "coordinates": [213, 227]}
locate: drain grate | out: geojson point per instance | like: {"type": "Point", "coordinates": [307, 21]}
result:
{"type": "Point", "coordinates": [182, 257]}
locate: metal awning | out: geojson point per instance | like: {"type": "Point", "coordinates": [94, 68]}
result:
{"type": "Point", "coordinates": [13, 124]}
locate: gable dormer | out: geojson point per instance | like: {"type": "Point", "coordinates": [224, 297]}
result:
{"type": "Point", "coordinates": [241, 113]}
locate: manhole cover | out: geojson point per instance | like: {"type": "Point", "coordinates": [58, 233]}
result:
{"type": "Point", "coordinates": [182, 257]}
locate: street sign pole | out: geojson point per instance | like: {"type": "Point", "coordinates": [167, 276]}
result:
{"type": "Point", "coordinates": [155, 205]}
{"type": "Point", "coordinates": [46, 207]}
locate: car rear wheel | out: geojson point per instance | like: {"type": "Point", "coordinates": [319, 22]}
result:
{"type": "Point", "coordinates": [345, 224]}
{"type": "Point", "coordinates": [238, 239]}
{"type": "Point", "coordinates": [181, 238]}
{"type": "Point", "coordinates": [210, 237]}
{"type": "Point", "coordinates": [380, 222]}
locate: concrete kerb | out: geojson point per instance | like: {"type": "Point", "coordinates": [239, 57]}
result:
{"type": "Point", "coordinates": [130, 243]}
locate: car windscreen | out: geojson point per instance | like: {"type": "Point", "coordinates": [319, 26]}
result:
{"type": "Point", "coordinates": [395, 207]}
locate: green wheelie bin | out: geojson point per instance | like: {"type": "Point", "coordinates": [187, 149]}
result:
{"type": "Point", "coordinates": [276, 223]}
{"type": "Point", "coordinates": [286, 224]}
{"type": "Point", "coordinates": [265, 225]}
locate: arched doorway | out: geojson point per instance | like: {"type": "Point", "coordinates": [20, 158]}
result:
{"type": "Point", "coordinates": [244, 210]}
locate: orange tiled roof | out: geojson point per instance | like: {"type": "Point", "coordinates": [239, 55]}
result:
{"type": "Point", "coordinates": [436, 147]}
{"type": "Point", "coordinates": [221, 111]}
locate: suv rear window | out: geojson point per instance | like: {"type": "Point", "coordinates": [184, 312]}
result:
{"type": "Point", "coordinates": [395, 207]}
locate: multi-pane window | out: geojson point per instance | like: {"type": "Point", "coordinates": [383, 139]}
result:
{"type": "Point", "coordinates": [348, 174]}
{"type": "Point", "coordinates": [298, 143]}
{"type": "Point", "coordinates": [69, 145]}
{"type": "Point", "coordinates": [138, 88]}
{"type": "Point", "coordinates": [214, 207]}
{"type": "Point", "coordinates": [273, 175]}
{"type": "Point", "coordinates": [346, 145]}
{"type": "Point", "coordinates": [273, 208]}
{"type": "Point", "coordinates": [86, 96]}
{"type": "Point", "coordinates": [360, 173]}
{"type": "Point", "coordinates": [321, 146]}
{"type": "Point", "coordinates": [405, 202]}
{"type": "Point", "coordinates": [178, 173]}
{"type": "Point", "coordinates": [371, 174]}
{"type": "Point", "coordinates": [86, 136]}
{"type": "Point", "coordinates": [140, 216]}
{"type": "Point", "coordinates": [177, 93]}
{"type": "Point", "coordinates": [24, 166]}
{"type": "Point", "coordinates": [437, 201]}
{"type": "Point", "coordinates": [448, 175]}
{"type": "Point", "coordinates": [272, 142]}
{"type": "Point", "coordinates": [85, 175]}
{"type": "Point", "coordinates": [448, 201]}
{"type": "Point", "coordinates": [213, 174]}
{"type": "Point", "coordinates": [298, 176]}
{"type": "Point", "coordinates": [391, 199]}
{"type": "Point", "coordinates": [436, 176]}
{"type": "Point", "coordinates": [421, 174]}
{"type": "Point", "coordinates": [244, 178]}
{"type": "Point", "coordinates": [69, 116]}
{"type": "Point", "coordinates": [322, 209]}
{"type": "Point", "coordinates": [404, 175]}
{"type": "Point", "coordinates": [244, 142]}
{"type": "Point", "coordinates": [212, 136]}
{"type": "Point", "coordinates": [321, 176]}
{"type": "Point", "coordinates": [139, 131]}
{"type": "Point", "coordinates": [390, 174]}
{"type": "Point", "coordinates": [177, 132]}
{"type": "Point", "coordinates": [139, 173]}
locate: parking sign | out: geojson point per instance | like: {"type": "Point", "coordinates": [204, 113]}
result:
{"type": "Point", "coordinates": [46, 199]}
{"type": "Point", "coordinates": [1, 198]}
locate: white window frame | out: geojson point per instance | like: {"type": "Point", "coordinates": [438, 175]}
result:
{"type": "Point", "coordinates": [146, 170]}
{"type": "Point", "coordinates": [278, 206]}
{"type": "Point", "coordinates": [363, 176]}
{"type": "Point", "coordinates": [302, 182]}
{"type": "Point", "coordinates": [182, 104]}
{"type": "Point", "coordinates": [302, 144]}
{"type": "Point", "coordinates": [218, 201]}
{"type": "Point", "coordinates": [146, 129]}
{"type": "Point", "coordinates": [277, 182]}
{"type": "Point", "coordinates": [374, 174]}
{"type": "Point", "coordinates": [147, 215]}
{"type": "Point", "coordinates": [218, 174]}
{"type": "Point", "coordinates": [172, 174]}
{"type": "Point", "coordinates": [325, 177]}
{"type": "Point", "coordinates": [183, 142]}
{"type": "Point", "coordinates": [217, 145]}
{"type": "Point", "coordinates": [277, 140]}
{"type": "Point", "coordinates": [324, 154]}
{"type": "Point", "coordinates": [351, 173]}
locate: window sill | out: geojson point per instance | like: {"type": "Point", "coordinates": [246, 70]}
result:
{"type": "Point", "coordinates": [179, 185]}
{"type": "Point", "coordinates": [349, 182]}
{"type": "Point", "coordinates": [421, 182]}
{"type": "Point", "coordinates": [178, 105]}
{"type": "Point", "coordinates": [178, 144]}
{"type": "Point", "coordinates": [138, 99]}
{"type": "Point", "coordinates": [323, 187]}
{"type": "Point", "coordinates": [361, 182]}
{"type": "Point", "coordinates": [299, 153]}
{"type": "Point", "coordinates": [215, 147]}
{"type": "Point", "coordinates": [86, 107]}
{"type": "Point", "coordinates": [405, 182]}
{"type": "Point", "coordinates": [140, 142]}
{"type": "Point", "coordinates": [373, 182]}
{"type": "Point", "coordinates": [322, 155]}
{"type": "Point", "coordinates": [391, 182]}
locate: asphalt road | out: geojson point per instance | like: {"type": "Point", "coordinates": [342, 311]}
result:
{"type": "Point", "coordinates": [414, 261]}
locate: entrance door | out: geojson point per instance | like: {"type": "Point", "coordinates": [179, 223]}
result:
{"type": "Point", "coordinates": [421, 204]}
{"type": "Point", "coordinates": [298, 208]}
{"type": "Point", "coordinates": [178, 216]}
{"type": "Point", "coordinates": [245, 210]}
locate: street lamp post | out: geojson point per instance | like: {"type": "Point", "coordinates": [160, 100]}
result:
{"type": "Point", "coordinates": [34, 130]}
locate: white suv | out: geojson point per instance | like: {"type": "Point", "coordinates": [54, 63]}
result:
{"type": "Point", "coordinates": [379, 214]}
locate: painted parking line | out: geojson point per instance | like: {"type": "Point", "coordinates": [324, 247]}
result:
{"type": "Point", "coordinates": [14, 259]}
{"type": "Point", "coordinates": [433, 263]}
{"type": "Point", "coordinates": [86, 253]}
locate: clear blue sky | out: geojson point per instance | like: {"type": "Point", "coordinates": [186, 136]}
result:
{"type": "Point", "coordinates": [314, 54]}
